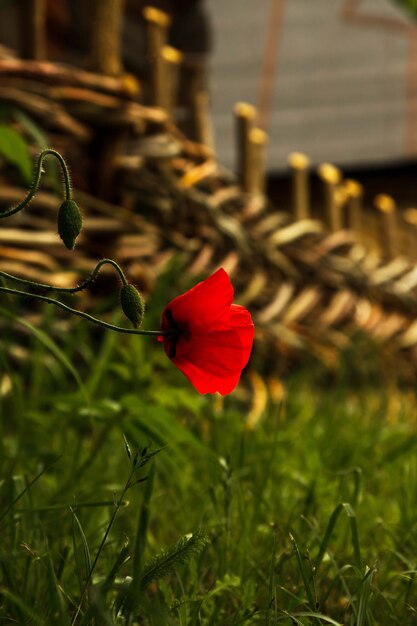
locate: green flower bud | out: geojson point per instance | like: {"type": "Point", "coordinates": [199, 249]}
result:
{"type": "Point", "coordinates": [69, 223]}
{"type": "Point", "coordinates": [133, 304]}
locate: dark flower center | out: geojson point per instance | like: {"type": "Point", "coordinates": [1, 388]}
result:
{"type": "Point", "coordinates": [175, 335]}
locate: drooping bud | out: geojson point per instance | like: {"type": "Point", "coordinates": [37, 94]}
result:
{"type": "Point", "coordinates": [133, 304]}
{"type": "Point", "coordinates": [70, 223]}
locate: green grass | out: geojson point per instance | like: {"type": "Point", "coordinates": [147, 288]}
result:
{"type": "Point", "coordinates": [310, 517]}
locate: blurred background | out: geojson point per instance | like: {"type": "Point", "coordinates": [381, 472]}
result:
{"type": "Point", "coordinates": [334, 80]}
{"type": "Point", "coordinates": [210, 129]}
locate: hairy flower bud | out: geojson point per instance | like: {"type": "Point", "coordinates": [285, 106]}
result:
{"type": "Point", "coordinates": [69, 223]}
{"type": "Point", "coordinates": [132, 304]}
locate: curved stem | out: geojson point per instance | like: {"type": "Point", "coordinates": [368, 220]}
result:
{"type": "Point", "coordinates": [103, 541]}
{"type": "Point", "coordinates": [87, 316]}
{"type": "Point", "coordinates": [86, 282]}
{"type": "Point", "coordinates": [36, 179]}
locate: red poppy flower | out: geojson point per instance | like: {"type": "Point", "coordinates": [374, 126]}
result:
{"type": "Point", "coordinates": [211, 338]}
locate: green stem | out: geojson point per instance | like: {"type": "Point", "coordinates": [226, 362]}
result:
{"type": "Point", "coordinates": [90, 318]}
{"type": "Point", "coordinates": [99, 551]}
{"type": "Point", "coordinates": [81, 287]}
{"type": "Point", "coordinates": [36, 179]}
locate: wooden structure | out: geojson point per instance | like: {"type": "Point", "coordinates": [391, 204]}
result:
{"type": "Point", "coordinates": [310, 284]}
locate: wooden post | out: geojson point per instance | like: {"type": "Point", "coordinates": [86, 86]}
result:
{"type": "Point", "coordinates": [157, 25]}
{"type": "Point", "coordinates": [156, 33]}
{"type": "Point", "coordinates": [258, 140]}
{"type": "Point", "coordinates": [331, 177]}
{"type": "Point", "coordinates": [106, 22]}
{"type": "Point", "coordinates": [202, 119]}
{"type": "Point", "coordinates": [196, 101]}
{"type": "Point", "coordinates": [105, 36]}
{"type": "Point", "coordinates": [354, 191]}
{"type": "Point", "coordinates": [410, 220]}
{"type": "Point", "coordinates": [32, 20]}
{"type": "Point", "coordinates": [386, 207]}
{"type": "Point", "coordinates": [299, 164]}
{"type": "Point", "coordinates": [167, 79]}
{"type": "Point", "coordinates": [245, 116]}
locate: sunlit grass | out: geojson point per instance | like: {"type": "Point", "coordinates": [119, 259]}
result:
{"type": "Point", "coordinates": [311, 515]}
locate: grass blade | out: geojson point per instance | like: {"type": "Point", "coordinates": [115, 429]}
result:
{"type": "Point", "coordinates": [57, 605]}
{"type": "Point", "coordinates": [346, 507]}
{"type": "Point", "coordinates": [364, 595]}
{"type": "Point", "coordinates": [306, 576]}
{"type": "Point", "coordinates": [22, 493]}
{"type": "Point", "coordinates": [85, 563]}
{"type": "Point", "coordinates": [51, 346]}
{"type": "Point", "coordinates": [23, 608]}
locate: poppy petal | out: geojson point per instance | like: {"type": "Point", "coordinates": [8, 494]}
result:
{"type": "Point", "coordinates": [214, 361]}
{"type": "Point", "coordinates": [209, 339]}
{"type": "Point", "coordinates": [205, 305]}
{"type": "Point", "coordinates": [204, 382]}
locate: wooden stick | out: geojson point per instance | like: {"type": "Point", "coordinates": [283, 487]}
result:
{"type": "Point", "coordinates": [51, 113]}
{"type": "Point", "coordinates": [157, 25]}
{"type": "Point", "coordinates": [196, 101]}
{"type": "Point", "coordinates": [32, 18]}
{"type": "Point", "coordinates": [202, 119]}
{"type": "Point", "coordinates": [410, 219]}
{"type": "Point", "coordinates": [331, 177]}
{"type": "Point", "coordinates": [389, 238]}
{"type": "Point", "coordinates": [54, 74]}
{"type": "Point", "coordinates": [105, 36]}
{"type": "Point", "coordinates": [245, 116]}
{"type": "Point", "coordinates": [167, 79]}
{"type": "Point", "coordinates": [156, 35]}
{"type": "Point", "coordinates": [299, 164]}
{"type": "Point", "coordinates": [258, 140]}
{"type": "Point", "coordinates": [354, 191]}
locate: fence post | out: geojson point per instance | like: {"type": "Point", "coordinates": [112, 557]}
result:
{"type": "Point", "coordinates": [299, 164]}
{"type": "Point", "coordinates": [105, 36]}
{"type": "Point", "coordinates": [32, 21]}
